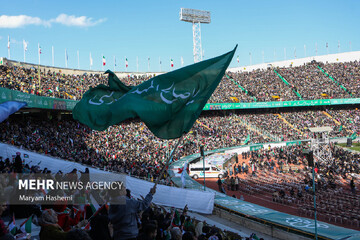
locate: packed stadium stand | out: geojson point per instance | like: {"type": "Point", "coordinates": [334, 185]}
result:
{"type": "Point", "coordinates": [277, 178]}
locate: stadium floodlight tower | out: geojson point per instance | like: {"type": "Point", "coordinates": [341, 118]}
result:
{"type": "Point", "coordinates": [320, 144]}
{"type": "Point", "coordinates": [195, 17]}
{"type": "Point", "coordinates": [320, 148]}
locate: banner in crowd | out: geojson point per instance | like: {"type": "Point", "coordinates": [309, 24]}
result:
{"type": "Point", "coordinates": [197, 201]}
{"type": "Point", "coordinates": [301, 103]}
{"type": "Point", "coordinates": [34, 101]}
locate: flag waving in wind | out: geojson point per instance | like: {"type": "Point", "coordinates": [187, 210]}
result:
{"type": "Point", "coordinates": [104, 61]}
{"type": "Point", "coordinates": [171, 63]}
{"type": "Point", "coordinates": [25, 227]}
{"type": "Point", "coordinates": [12, 226]}
{"type": "Point", "coordinates": [168, 104]}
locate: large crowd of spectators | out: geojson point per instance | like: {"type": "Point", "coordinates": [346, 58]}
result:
{"type": "Point", "coordinates": [348, 74]}
{"type": "Point", "coordinates": [283, 175]}
{"type": "Point", "coordinates": [44, 82]}
{"type": "Point", "coordinates": [265, 85]}
{"type": "Point", "coordinates": [131, 148]}
{"type": "Point", "coordinates": [228, 91]}
{"type": "Point", "coordinates": [303, 120]}
{"type": "Point", "coordinates": [307, 80]}
{"type": "Point", "coordinates": [133, 219]}
{"type": "Point", "coordinates": [311, 83]}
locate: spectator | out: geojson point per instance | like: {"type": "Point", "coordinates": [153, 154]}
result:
{"type": "Point", "coordinates": [50, 230]}
{"type": "Point", "coordinates": [124, 217]}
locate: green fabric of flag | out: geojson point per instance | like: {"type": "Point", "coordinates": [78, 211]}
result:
{"type": "Point", "coordinates": [168, 104]}
{"type": "Point", "coordinates": [247, 139]}
{"type": "Point", "coordinates": [26, 226]}
{"type": "Point", "coordinates": [340, 129]}
{"type": "Point", "coordinates": [12, 226]}
{"type": "Point", "coordinates": [353, 136]}
{"type": "Point", "coordinates": [93, 209]}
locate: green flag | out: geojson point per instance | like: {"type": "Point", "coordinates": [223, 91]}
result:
{"type": "Point", "coordinates": [168, 104]}
{"type": "Point", "coordinates": [247, 139]}
{"type": "Point", "coordinates": [12, 226]}
{"type": "Point", "coordinates": [340, 129]}
{"type": "Point", "coordinates": [26, 225]}
{"type": "Point", "coordinates": [353, 136]}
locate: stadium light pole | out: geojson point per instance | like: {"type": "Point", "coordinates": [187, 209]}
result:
{"type": "Point", "coordinates": [52, 54]}
{"type": "Point", "coordinates": [78, 58]}
{"type": "Point", "coordinates": [196, 17]}
{"type": "Point", "coordinates": [274, 55]}
{"type": "Point", "coordinates": [320, 148]}
{"type": "Point", "coordinates": [137, 64]}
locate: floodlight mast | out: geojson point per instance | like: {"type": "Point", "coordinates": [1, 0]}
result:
{"type": "Point", "coordinates": [196, 17]}
{"type": "Point", "coordinates": [320, 144]}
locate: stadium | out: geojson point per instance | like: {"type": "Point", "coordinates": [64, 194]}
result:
{"type": "Point", "coordinates": [274, 153]}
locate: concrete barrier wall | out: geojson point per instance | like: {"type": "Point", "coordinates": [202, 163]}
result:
{"type": "Point", "coordinates": [257, 226]}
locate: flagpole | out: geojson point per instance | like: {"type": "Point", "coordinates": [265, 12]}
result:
{"type": "Point", "coordinates": [65, 58]}
{"type": "Point", "coordinates": [90, 61]}
{"type": "Point", "coordinates": [274, 55]}
{"type": "Point", "coordinates": [39, 52]}
{"type": "Point", "coordinates": [8, 46]}
{"type": "Point", "coordinates": [168, 161]}
{"type": "Point", "coordinates": [327, 49]}
{"type": "Point", "coordinates": [52, 53]}
{"type": "Point", "coordinates": [78, 59]}
{"type": "Point", "coordinates": [148, 64]}
{"type": "Point", "coordinates": [24, 50]}
{"type": "Point", "coordinates": [39, 65]}
{"type": "Point", "coordinates": [126, 64]}
{"type": "Point", "coordinates": [137, 64]}
{"type": "Point", "coordinates": [160, 63]}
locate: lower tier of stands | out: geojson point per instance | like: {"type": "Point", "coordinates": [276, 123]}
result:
{"type": "Point", "coordinates": [300, 225]}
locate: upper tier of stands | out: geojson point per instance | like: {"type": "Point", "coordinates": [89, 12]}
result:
{"type": "Point", "coordinates": [310, 81]}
